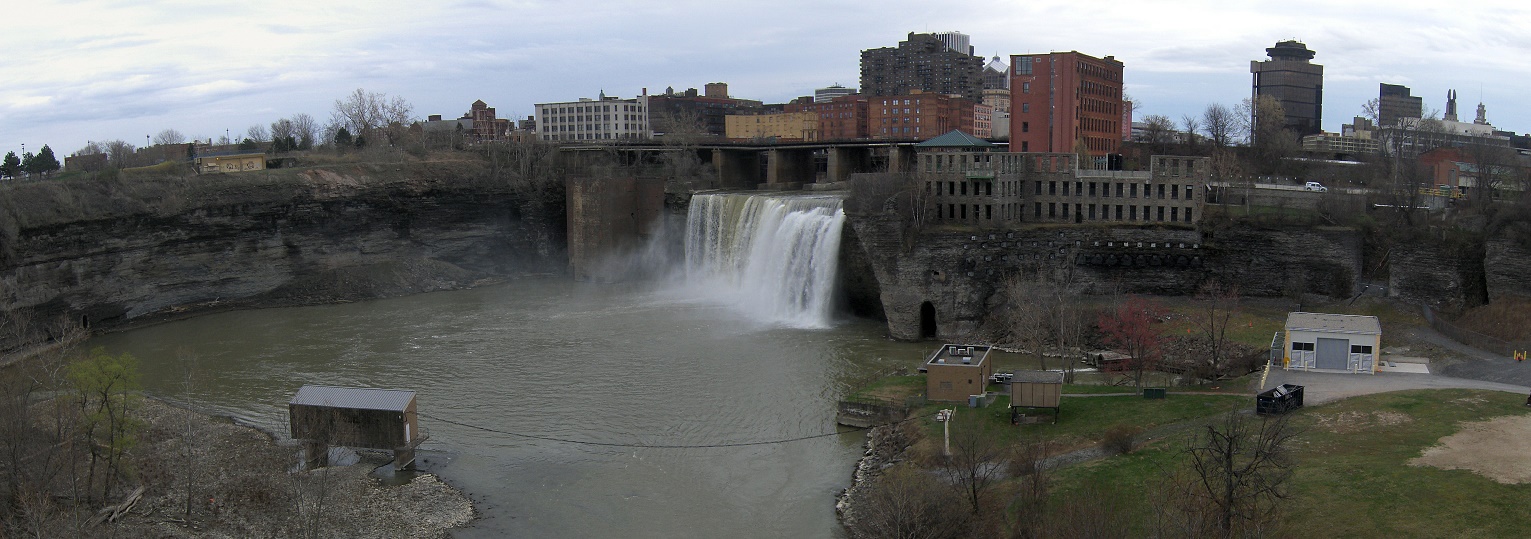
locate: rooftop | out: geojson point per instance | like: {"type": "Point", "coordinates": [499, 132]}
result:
{"type": "Point", "coordinates": [1038, 377]}
{"type": "Point", "coordinates": [358, 398]}
{"type": "Point", "coordinates": [1333, 323]}
{"type": "Point", "coordinates": [959, 354]}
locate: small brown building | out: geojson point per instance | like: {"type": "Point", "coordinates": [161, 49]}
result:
{"type": "Point", "coordinates": [357, 417]}
{"type": "Point", "coordinates": [956, 371]}
{"type": "Point", "coordinates": [1036, 389]}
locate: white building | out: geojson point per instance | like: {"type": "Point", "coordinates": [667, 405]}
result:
{"type": "Point", "coordinates": [956, 41]}
{"type": "Point", "coordinates": [825, 95]}
{"type": "Point", "coordinates": [603, 119]}
{"type": "Point", "coordinates": [1332, 342]}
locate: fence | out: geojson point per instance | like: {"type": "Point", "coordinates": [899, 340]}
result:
{"type": "Point", "coordinates": [1473, 338]}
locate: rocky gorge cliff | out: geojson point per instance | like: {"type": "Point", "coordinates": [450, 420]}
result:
{"type": "Point", "coordinates": [101, 252]}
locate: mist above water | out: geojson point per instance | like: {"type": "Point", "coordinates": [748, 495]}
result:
{"type": "Point", "coordinates": [773, 258]}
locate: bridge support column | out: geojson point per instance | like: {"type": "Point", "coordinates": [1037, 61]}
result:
{"type": "Point", "coordinates": [737, 169]}
{"type": "Point", "coordinates": [786, 169]}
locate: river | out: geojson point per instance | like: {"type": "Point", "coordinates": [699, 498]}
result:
{"type": "Point", "coordinates": [631, 364]}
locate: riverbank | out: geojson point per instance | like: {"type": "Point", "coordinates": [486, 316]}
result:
{"type": "Point", "coordinates": [241, 485]}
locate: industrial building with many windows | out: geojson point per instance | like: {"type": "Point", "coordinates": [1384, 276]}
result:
{"type": "Point", "coordinates": [606, 118]}
{"type": "Point", "coordinates": [1005, 189]}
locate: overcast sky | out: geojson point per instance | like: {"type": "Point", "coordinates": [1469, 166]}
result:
{"type": "Point", "coordinates": [77, 71]}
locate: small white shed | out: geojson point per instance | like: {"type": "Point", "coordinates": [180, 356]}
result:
{"type": "Point", "coordinates": [1332, 342]}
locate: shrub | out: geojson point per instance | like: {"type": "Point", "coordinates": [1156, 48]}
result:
{"type": "Point", "coordinates": [1120, 438]}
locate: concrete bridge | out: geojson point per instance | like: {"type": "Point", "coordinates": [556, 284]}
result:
{"type": "Point", "coordinates": [753, 165]}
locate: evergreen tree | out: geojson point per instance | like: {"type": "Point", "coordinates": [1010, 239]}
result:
{"type": "Point", "coordinates": [248, 144]}
{"type": "Point", "coordinates": [361, 141]}
{"type": "Point", "coordinates": [343, 137]}
{"type": "Point", "coordinates": [11, 166]}
{"type": "Point", "coordinates": [26, 162]}
{"type": "Point", "coordinates": [44, 162]}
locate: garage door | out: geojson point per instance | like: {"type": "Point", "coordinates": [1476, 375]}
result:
{"type": "Point", "coordinates": [1333, 354]}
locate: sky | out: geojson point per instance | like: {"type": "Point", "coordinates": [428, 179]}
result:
{"type": "Point", "coordinates": [96, 70]}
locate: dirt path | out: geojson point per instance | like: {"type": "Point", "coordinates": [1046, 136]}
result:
{"type": "Point", "coordinates": [1499, 449]}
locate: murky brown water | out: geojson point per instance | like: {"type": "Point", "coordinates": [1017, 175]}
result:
{"type": "Point", "coordinates": [600, 363]}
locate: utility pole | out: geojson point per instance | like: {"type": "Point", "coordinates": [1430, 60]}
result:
{"type": "Point", "coordinates": [945, 416]}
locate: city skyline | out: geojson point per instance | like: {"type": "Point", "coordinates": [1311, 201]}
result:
{"type": "Point", "coordinates": [103, 70]}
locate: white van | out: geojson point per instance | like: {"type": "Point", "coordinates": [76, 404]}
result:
{"type": "Point", "coordinates": [1315, 186]}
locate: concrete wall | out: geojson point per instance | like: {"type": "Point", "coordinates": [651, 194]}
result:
{"type": "Point", "coordinates": [609, 218]}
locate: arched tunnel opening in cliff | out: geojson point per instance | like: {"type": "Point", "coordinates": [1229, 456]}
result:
{"type": "Point", "coordinates": [927, 321]}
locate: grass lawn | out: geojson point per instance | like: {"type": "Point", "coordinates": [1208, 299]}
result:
{"type": "Point", "coordinates": [1353, 478]}
{"type": "Point", "coordinates": [1084, 419]}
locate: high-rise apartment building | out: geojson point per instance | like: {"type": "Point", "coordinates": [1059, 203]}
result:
{"type": "Point", "coordinates": [1059, 100]}
{"type": "Point", "coordinates": [1394, 102]}
{"type": "Point", "coordinates": [1294, 81]}
{"type": "Point", "coordinates": [922, 63]}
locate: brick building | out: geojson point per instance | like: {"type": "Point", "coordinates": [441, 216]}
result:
{"type": "Point", "coordinates": [1061, 99]}
{"type": "Point", "coordinates": [784, 126]}
{"type": "Point", "coordinates": [841, 118]}
{"type": "Point", "coordinates": [918, 116]}
{"type": "Point", "coordinates": [1001, 190]}
{"type": "Point", "coordinates": [689, 111]}
{"type": "Point", "coordinates": [922, 63]}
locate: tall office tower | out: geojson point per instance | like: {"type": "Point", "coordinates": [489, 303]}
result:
{"type": "Point", "coordinates": [922, 63]}
{"type": "Point", "coordinates": [1394, 102]}
{"type": "Point", "coordinates": [1061, 99]}
{"type": "Point", "coordinates": [956, 41]}
{"type": "Point", "coordinates": [1295, 82]}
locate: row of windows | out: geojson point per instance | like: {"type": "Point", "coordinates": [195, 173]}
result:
{"type": "Point", "coordinates": [624, 107]}
{"type": "Point", "coordinates": [1123, 212]}
{"type": "Point", "coordinates": [1130, 189]}
{"type": "Point", "coordinates": [593, 136]}
{"type": "Point", "coordinates": [594, 127]}
{"type": "Point", "coordinates": [592, 117]}
{"type": "Point", "coordinates": [1006, 163]}
{"type": "Point", "coordinates": [1092, 70]}
{"type": "Point", "coordinates": [981, 212]}
{"type": "Point", "coordinates": [1308, 347]}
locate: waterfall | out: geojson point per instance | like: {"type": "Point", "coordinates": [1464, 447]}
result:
{"type": "Point", "coordinates": [773, 257]}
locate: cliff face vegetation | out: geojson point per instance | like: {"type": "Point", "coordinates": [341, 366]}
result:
{"type": "Point", "coordinates": [103, 251]}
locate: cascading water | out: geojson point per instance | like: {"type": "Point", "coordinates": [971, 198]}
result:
{"type": "Point", "coordinates": [774, 257]}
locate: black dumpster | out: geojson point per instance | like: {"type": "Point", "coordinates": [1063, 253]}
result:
{"type": "Point", "coordinates": [1279, 400]}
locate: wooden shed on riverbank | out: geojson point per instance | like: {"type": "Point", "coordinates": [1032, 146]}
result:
{"type": "Point", "coordinates": [1036, 389]}
{"type": "Point", "coordinates": [357, 417]}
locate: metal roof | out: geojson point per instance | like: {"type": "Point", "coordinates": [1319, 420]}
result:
{"type": "Point", "coordinates": [956, 139]}
{"type": "Point", "coordinates": [1038, 377]}
{"type": "Point", "coordinates": [1333, 323]}
{"type": "Point", "coordinates": [360, 398]}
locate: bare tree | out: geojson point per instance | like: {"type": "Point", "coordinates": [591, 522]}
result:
{"type": "Point", "coordinates": [1030, 307]}
{"type": "Point", "coordinates": [1236, 473]}
{"type": "Point", "coordinates": [283, 128]}
{"type": "Point", "coordinates": [91, 148]}
{"type": "Point", "coordinates": [904, 502]}
{"type": "Point", "coordinates": [1191, 125]}
{"type": "Point", "coordinates": [257, 133]}
{"type": "Point", "coordinates": [364, 113]}
{"type": "Point", "coordinates": [977, 461]}
{"type": "Point", "coordinates": [1158, 133]}
{"type": "Point", "coordinates": [1220, 302]}
{"type": "Point", "coordinates": [119, 153]}
{"type": "Point", "coordinates": [1219, 124]}
{"type": "Point", "coordinates": [168, 137]}
{"type": "Point", "coordinates": [306, 129]}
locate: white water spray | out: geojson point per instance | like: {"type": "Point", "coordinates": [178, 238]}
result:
{"type": "Point", "coordinates": [772, 257]}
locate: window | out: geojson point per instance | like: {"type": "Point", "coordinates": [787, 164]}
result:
{"type": "Point", "coordinates": [1133, 190]}
{"type": "Point", "coordinates": [1132, 213]}
{"type": "Point", "coordinates": [1039, 187]}
{"type": "Point", "coordinates": [1161, 191]}
{"type": "Point", "coordinates": [1025, 87]}
{"type": "Point", "coordinates": [1118, 212]}
{"type": "Point", "coordinates": [1302, 347]}
{"type": "Point", "coordinates": [1038, 213]}
{"type": "Point", "coordinates": [1174, 214]}
{"type": "Point", "coordinates": [1025, 127]}
{"type": "Point", "coordinates": [1092, 189]}
{"type": "Point", "coordinates": [1188, 215]}
{"type": "Point", "coordinates": [1360, 349]}
{"type": "Point", "coordinates": [1188, 192]}
{"type": "Point", "coordinates": [1025, 107]}
{"type": "Point", "coordinates": [1160, 216]}
{"type": "Point", "coordinates": [1065, 210]}
{"type": "Point", "coordinates": [1024, 66]}
{"type": "Point", "coordinates": [1052, 188]}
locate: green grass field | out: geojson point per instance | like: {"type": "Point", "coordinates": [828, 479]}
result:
{"type": "Point", "coordinates": [1353, 477]}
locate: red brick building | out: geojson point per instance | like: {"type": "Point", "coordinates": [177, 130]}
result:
{"type": "Point", "coordinates": [485, 126]}
{"type": "Point", "coordinates": [1062, 98]}
{"type": "Point", "coordinates": [841, 118]}
{"type": "Point", "coordinates": [918, 116]}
